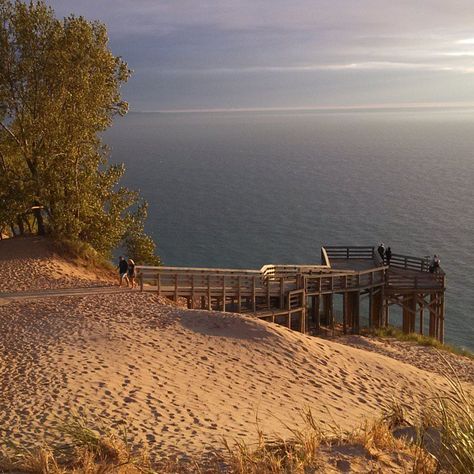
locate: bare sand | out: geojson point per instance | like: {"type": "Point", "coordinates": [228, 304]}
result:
{"type": "Point", "coordinates": [182, 379]}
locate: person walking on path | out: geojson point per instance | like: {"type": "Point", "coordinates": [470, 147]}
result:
{"type": "Point", "coordinates": [388, 255]}
{"type": "Point", "coordinates": [131, 273]}
{"type": "Point", "coordinates": [123, 269]}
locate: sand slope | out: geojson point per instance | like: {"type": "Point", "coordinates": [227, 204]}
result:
{"type": "Point", "coordinates": [30, 263]}
{"type": "Point", "coordinates": [181, 379]}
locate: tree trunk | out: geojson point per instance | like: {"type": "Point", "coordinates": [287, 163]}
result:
{"type": "Point", "coordinates": [21, 227]}
{"type": "Point", "coordinates": [39, 219]}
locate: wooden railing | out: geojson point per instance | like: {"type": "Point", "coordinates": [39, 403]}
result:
{"type": "Point", "coordinates": [410, 263]}
{"type": "Point", "coordinates": [270, 280]}
{"type": "Point", "coordinates": [416, 280]}
{"type": "Point", "coordinates": [336, 282]}
{"type": "Point", "coordinates": [353, 252]}
{"type": "Point", "coordinates": [276, 271]}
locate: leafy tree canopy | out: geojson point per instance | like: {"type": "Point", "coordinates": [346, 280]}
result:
{"type": "Point", "coordinates": [59, 89]}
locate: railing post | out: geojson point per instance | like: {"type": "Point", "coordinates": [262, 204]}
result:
{"type": "Point", "coordinates": [141, 281]}
{"type": "Point", "coordinates": [158, 282]}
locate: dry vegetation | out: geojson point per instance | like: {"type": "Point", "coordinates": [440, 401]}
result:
{"type": "Point", "coordinates": [438, 439]}
{"type": "Point", "coordinates": [398, 334]}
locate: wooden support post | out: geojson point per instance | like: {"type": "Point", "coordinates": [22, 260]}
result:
{"type": "Point", "coordinates": [409, 313]}
{"type": "Point", "coordinates": [268, 294]}
{"type": "Point", "coordinates": [209, 302]}
{"type": "Point", "coordinates": [386, 310]}
{"type": "Point", "coordinates": [282, 293]}
{"type": "Point", "coordinates": [422, 307]}
{"type": "Point", "coordinates": [254, 302]}
{"type": "Point", "coordinates": [176, 287]}
{"type": "Point", "coordinates": [345, 306]}
{"type": "Point", "coordinates": [223, 293]}
{"type": "Point", "coordinates": [192, 291]}
{"type": "Point", "coordinates": [376, 308]}
{"type": "Point", "coordinates": [371, 307]}
{"type": "Point", "coordinates": [140, 277]}
{"type": "Point", "coordinates": [158, 279]}
{"type": "Point", "coordinates": [239, 295]}
{"type": "Point", "coordinates": [317, 313]}
{"type": "Point", "coordinates": [432, 310]}
{"type": "Point", "coordinates": [441, 318]}
{"type": "Point", "coordinates": [355, 312]}
{"type": "Point", "coordinates": [328, 313]}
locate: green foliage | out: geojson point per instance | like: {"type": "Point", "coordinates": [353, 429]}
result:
{"type": "Point", "coordinates": [59, 90]}
{"type": "Point", "coordinates": [139, 246]}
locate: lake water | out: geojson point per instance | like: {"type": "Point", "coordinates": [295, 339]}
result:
{"type": "Point", "coordinates": [240, 190]}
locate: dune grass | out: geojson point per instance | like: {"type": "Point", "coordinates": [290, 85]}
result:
{"type": "Point", "coordinates": [398, 334]}
{"type": "Point", "coordinates": [76, 250]}
{"type": "Point", "coordinates": [309, 448]}
{"type": "Point", "coordinates": [455, 416]}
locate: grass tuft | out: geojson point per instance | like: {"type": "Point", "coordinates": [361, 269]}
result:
{"type": "Point", "coordinates": [440, 442]}
{"type": "Point", "coordinates": [395, 333]}
{"type": "Point", "coordinates": [77, 250]}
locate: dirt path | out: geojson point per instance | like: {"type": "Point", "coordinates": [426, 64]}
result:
{"type": "Point", "coordinates": [7, 297]}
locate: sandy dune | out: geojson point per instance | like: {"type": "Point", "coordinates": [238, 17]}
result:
{"type": "Point", "coordinates": [181, 379]}
{"type": "Point", "coordinates": [424, 357]}
{"type": "Point", "coordinates": [31, 264]}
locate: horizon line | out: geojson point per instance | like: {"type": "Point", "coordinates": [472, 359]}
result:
{"type": "Point", "coordinates": [316, 108]}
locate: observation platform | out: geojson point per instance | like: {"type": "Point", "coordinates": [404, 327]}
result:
{"type": "Point", "coordinates": [303, 297]}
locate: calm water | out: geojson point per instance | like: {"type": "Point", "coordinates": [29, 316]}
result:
{"type": "Point", "coordinates": [241, 190]}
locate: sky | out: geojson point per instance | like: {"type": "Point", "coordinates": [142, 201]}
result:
{"type": "Point", "coordinates": [289, 54]}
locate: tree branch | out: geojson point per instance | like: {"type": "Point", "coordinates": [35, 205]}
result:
{"type": "Point", "coordinates": [10, 133]}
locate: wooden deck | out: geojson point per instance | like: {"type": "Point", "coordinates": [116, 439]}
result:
{"type": "Point", "coordinates": [302, 296]}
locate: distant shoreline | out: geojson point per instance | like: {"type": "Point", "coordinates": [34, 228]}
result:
{"type": "Point", "coordinates": [408, 107]}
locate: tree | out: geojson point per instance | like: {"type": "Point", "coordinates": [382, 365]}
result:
{"type": "Point", "coordinates": [59, 89]}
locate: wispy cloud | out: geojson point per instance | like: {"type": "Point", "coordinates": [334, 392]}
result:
{"type": "Point", "coordinates": [187, 52]}
{"type": "Point", "coordinates": [328, 108]}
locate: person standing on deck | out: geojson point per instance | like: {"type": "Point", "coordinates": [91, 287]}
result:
{"type": "Point", "coordinates": [381, 251]}
{"type": "Point", "coordinates": [435, 263]}
{"type": "Point", "coordinates": [123, 269]}
{"type": "Point", "coordinates": [388, 255]}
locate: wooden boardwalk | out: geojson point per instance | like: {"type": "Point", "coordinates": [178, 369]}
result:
{"type": "Point", "coordinates": [303, 297]}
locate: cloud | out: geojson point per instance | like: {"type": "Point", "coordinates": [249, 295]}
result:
{"type": "Point", "coordinates": [294, 42]}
